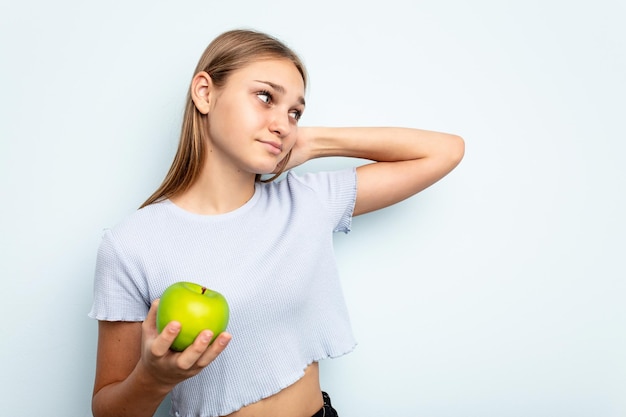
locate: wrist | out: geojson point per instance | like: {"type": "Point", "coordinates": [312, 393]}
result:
{"type": "Point", "coordinates": [322, 142]}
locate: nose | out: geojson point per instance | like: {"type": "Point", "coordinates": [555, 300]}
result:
{"type": "Point", "coordinates": [279, 123]}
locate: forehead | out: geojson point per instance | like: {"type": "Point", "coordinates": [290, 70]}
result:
{"type": "Point", "coordinates": [280, 72]}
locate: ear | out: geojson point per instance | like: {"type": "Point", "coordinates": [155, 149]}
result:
{"type": "Point", "coordinates": [201, 88]}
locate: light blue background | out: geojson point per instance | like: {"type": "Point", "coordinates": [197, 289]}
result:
{"type": "Point", "coordinates": [498, 292]}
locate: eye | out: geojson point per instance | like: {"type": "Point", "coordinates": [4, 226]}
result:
{"type": "Point", "coordinates": [265, 96]}
{"type": "Point", "coordinates": [295, 114]}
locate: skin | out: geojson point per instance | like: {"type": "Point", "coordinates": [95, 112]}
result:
{"type": "Point", "coordinates": [250, 132]}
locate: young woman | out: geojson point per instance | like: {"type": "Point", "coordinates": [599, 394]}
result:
{"type": "Point", "coordinates": [265, 245]}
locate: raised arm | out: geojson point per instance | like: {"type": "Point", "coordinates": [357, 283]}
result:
{"type": "Point", "coordinates": [406, 160]}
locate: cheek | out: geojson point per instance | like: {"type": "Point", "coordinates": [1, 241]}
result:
{"type": "Point", "coordinates": [227, 121]}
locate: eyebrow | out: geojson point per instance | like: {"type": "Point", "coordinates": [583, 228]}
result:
{"type": "Point", "coordinates": [280, 89]}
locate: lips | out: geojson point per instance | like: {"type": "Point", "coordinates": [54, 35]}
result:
{"type": "Point", "coordinates": [274, 147]}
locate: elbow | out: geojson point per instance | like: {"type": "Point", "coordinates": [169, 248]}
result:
{"type": "Point", "coordinates": [456, 150]}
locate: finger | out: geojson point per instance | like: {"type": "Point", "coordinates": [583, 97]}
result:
{"type": "Point", "coordinates": [194, 351]}
{"type": "Point", "coordinates": [149, 324]}
{"type": "Point", "coordinates": [217, 347]}
{"type": "Point", "coordinates": [161, 345]}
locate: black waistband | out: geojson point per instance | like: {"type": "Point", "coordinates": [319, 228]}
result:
{"type": "Point", "coordinates": [327, 409]}
{"type": "Point", "coordinates": [319, 413]}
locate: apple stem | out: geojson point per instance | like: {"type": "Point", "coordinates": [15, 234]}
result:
{"type": "Point", "coordinates": [203, 290]}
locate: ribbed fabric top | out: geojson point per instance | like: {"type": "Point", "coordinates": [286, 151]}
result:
{"type": "Point", "coordinates": [274, 262]}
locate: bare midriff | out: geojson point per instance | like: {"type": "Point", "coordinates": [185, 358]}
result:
{"type": "Point", "coordinates": [301, 399]}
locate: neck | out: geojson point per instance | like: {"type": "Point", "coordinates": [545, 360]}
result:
{"type": "Point", "coordinates": [216, 191]}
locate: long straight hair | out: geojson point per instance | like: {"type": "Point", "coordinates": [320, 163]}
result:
{"type": "Point", "coordinates": [228, 52]}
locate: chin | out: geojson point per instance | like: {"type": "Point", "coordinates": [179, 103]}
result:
{"type": "Point", "coordinates": [266, 169]}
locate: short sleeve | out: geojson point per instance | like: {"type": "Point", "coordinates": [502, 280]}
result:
{"type": "Point", "coordinates": [337, 192]}
{"type": "Point", "coordinates": [119, 290]}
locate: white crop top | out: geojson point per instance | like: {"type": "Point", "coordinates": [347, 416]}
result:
{"type": "Point", "coordinates": [274, 262]}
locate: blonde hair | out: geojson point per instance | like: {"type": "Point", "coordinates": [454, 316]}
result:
{"type": "Point", "coordinates": [228, 52]}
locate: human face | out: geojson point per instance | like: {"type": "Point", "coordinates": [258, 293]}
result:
{"type": "Point", "coordinates": [253, 119]}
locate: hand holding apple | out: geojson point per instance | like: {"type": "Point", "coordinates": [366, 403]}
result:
{"type": "Point", "coordinates": [196, 308]}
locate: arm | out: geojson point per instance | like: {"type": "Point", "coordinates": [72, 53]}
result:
{"type": "Point", "coordinates": [135, 369]}
{"type": "Point", "coordinates": [407, 160]}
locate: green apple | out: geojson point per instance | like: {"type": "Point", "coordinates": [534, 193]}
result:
{"type": "Point", "coordinates": [196, 308]}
